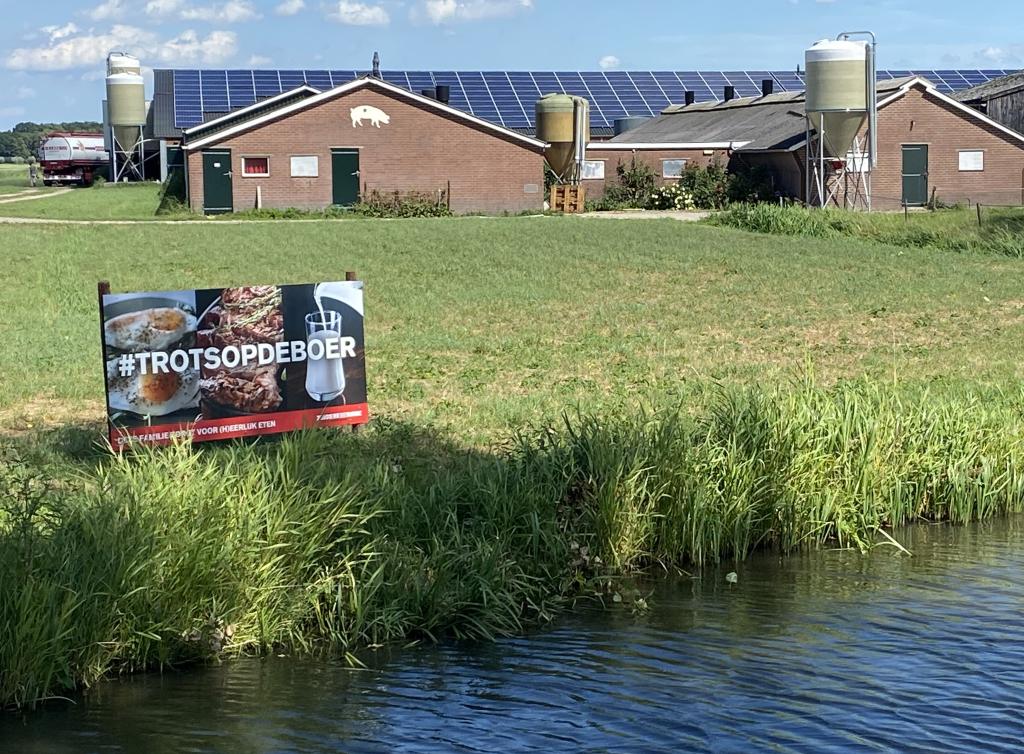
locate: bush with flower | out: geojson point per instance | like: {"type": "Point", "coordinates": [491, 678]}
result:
{"type": "Point", "coordinates": [671, 196]}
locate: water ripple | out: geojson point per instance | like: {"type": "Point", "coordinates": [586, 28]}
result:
{"type": "Point", "coordinates": [824, 652]}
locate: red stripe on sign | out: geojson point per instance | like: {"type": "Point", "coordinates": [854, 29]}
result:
{"type": "Point", "coordinates": [252, 425]}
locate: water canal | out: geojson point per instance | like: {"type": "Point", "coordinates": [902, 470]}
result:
{"type": "Point", "coordinates": [828, 651]}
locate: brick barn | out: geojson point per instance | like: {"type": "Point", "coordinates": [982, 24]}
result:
{"type": "Point", "coordinates": [929, 144]}
{"type": "Point", "coordinates": [311, 149]}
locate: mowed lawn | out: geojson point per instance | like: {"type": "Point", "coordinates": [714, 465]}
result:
{"type": "Point", "coordinates": [480, 326]}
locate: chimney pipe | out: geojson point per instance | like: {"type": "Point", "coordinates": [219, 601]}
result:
{"type": "Point", "coordinates": [429, 93]}
{"type": "Point", "coordinates": [442, 92]}
{"type": "Point", "coordinates": [690, 96]}
{"type": "Point", "coordinates": [767, 87]}
{"type": "Point", "coordinates": [376, 65]}
{"type": "Point", "coordinates": [729, 93]}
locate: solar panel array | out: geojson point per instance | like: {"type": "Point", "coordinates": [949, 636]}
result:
{"type": "Point", "coordinates": [507, 97]}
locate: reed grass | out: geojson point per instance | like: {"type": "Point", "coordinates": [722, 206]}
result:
{"type": "Point", "coordinates": [956, 229]}
{"type": "Point", "coordinates": [331, 542]}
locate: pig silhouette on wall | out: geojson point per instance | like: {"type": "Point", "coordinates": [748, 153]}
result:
{"type": "Point", "coordinates": [375, 115]}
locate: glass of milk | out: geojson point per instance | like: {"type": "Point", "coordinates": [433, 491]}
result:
{"type": "Point", "coordinates": [325, 378]}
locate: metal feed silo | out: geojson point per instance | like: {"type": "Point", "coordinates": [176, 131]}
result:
{"type": "Point", "coordinates": [563, 121]}
{"type": "Point", "coordinates": [841, 98]}
{"type": "Point", "coordinates": [837, 96]}
{"type": "Point", "coordinates": [126, 113]}
{"type": "Point", "coordinates": [556, 125]}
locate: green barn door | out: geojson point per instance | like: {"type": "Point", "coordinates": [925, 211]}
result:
{"type": "Point", "coordinates": [915, 174]}
{"type": "Point", "coordinates": [217, 196]}
{"type": "Point", "coordinates": [345, 176]}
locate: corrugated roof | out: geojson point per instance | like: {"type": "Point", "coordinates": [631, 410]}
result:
{"type": "Point", "coordinates": [773, 122]}
{"type": "Point", "coordinates": [992, 89]}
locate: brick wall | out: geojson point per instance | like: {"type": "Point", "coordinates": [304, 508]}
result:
{"type": "Point", "coordinates": [419, 150]}
{"type": "Point", "coordinates": [920, 118]}
{"type": "Point", "coordinates": [651, 157]}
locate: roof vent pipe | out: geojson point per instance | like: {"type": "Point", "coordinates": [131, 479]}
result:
{"type": "Point", "coordinates": [442, 92]}
{"type": "Point", "coordinates": [767, 87]}
{"type": "Point", "coordinates": [729, 93]}
{"type": "Point", "coordinates": [376, 65]}
{"type": "Point", "coordinates": [690, 96]}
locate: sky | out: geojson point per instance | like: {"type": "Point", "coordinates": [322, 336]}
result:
{"type": "Point", "coordinates": [52, 53]}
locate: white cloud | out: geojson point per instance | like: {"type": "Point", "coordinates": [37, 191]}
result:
{"type": "Point", "coordinates": [25, 92]}
{"type": "Point", "coordinates": [256, 61]}
{"type": "Point", "coordinates": [359, 14]}
{"type": "Point", "coordinates": [289, 7]}
{"type": "Point", "coordinates": [608, 62]}
{"type": "Point", "coordinates": [163, 7]}
{"type": "Point", "coordinates": [108, 9]}
{"type": "Point", "coordinates": [59, 32]}
{"type": "Point", "coordinates": [231, 12]}
{"type": "Point", "coordinates": [90, 49]}
{"type": "Point", "coordinates": [444, 11]}
{"type": "Point", "coordinates": [1010, 54]}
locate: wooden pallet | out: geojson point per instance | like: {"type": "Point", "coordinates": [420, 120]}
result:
{"type": "Point", "coordinates": [567, 198]}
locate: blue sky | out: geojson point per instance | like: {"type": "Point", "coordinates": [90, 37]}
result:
{"type": "Point", "coordinates": [51, 53]}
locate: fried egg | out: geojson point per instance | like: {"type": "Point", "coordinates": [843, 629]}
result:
{"type": "Point", "coordinates": [152, 394]}
{"type": "Point", "coordinates": [148, 329]}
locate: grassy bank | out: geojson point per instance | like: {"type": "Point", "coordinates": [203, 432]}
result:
{"type": "Point", "coordinates": [448, 517]}
{"type": "Point", "coordinates": [1001, 230]}
{"type": "Point", "coordinates": [334, 542]}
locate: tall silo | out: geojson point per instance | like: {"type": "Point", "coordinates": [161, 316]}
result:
{"type": "Point", "coordinates": [840, 100]}
{"type": "Point", "coordinates": [563, 121]}
{"type": "Point", "coordinates": [126, 113]}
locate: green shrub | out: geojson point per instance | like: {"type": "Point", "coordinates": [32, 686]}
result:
{"type": "Point", "coordinates": [633, 185]}
{"type": "Point", "coordinates": [750, 184]}
{"type": "Point", "coordinates": [790, 219]}
{"type": "Point", "coordinates": [403, 204]}
{"type": "Point", "coordinates": [707, 185]}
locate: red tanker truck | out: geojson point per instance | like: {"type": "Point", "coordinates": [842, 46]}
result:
{"type": "Point", "coordinates": [73, 157]}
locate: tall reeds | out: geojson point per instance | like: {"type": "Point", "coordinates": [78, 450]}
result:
{"type": "Point", "coordinates": [333, 542]}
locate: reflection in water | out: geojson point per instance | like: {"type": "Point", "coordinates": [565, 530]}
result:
{"type": "Point", "coordinates": [829, 651]}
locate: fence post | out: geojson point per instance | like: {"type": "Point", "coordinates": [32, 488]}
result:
{"type": "Point", "coordinates": [103, 289]}
{"type": "Point", "coordinates": [977, 206]}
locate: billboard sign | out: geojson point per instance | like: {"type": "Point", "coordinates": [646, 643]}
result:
{"type": "Point", "coordinates": [220, 363]}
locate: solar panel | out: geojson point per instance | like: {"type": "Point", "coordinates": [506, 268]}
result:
{"type": "Point", "coordinates": [508, 97]}
{"type": "Point", "coordinates": [214, 91]}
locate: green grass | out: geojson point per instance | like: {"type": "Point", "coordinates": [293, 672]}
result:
{"type": "Point", "coordinates": [14, 179]}
{"type": "Point", "coordinates": [477, 326]}
{"type": "Point", "coordinates": [336, 542]}
{"type": "Point", "coordinates": [469, 508]}
{"type": "Point", "coordinates": [1001, 230]}
{"type": "Point", "coordinates": [137, 201]}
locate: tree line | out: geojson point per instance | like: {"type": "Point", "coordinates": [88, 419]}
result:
{"type": "Point", "coordinates": [23, 140]}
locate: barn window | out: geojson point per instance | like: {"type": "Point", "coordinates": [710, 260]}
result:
{"type": "Point", "coordinates": [672, 168]}
{"type": "Point", "coordinates": [255, 166]}
{"type": "Point", "coordinates": [305, 166]}
{"type": "Point", "coordinates": [592, 170]}
{"type": "Point", "coordinates": [972, 160]}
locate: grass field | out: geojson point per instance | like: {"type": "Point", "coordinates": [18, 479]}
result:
{"type": "Point", "coordinates": [13, 178]}
{"type": "Point", "coordinates": [469, 508]}
{"type": "Point", "coordinates": [100, 202]}
{"type": "Point", "coordinates": [480, 325]}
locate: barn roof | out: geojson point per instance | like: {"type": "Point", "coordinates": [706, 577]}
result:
{"type": "Point", "coordinates": [992, 89]}
{"type": "Point", "coordinates": [775, 122]}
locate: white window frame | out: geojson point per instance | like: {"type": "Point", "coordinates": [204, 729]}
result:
{"type": "Point", "coordinates": [857, 162]}
{"type": "Point", "coordinates": [960, 160]}
{"type": "Point", "coordinates": [593, 177]}
{"type": "Point", "coordinates": [256, 157]}
{"type": "Point", "coordinates": [684, 160]}
{"type": "Point", "coordinates": [316, 165]}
